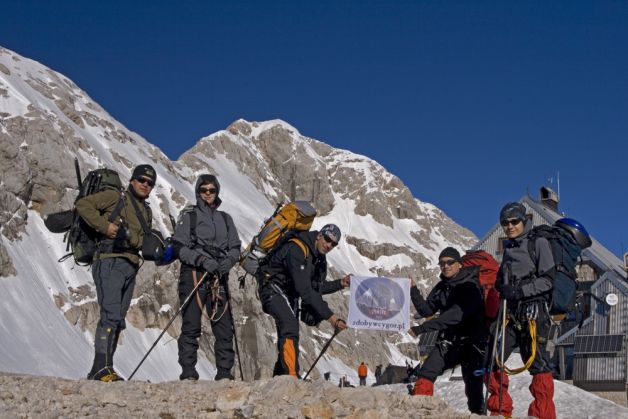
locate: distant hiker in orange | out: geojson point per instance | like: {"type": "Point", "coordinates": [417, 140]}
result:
{"type": "Point", "coordinates": [362, 373]}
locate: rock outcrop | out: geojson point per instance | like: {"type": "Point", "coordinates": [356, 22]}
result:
{"type": "Point", "coordinates": [281, 397]}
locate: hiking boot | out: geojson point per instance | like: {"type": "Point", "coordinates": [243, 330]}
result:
{"type": "Point", "coordinates": [189, 374]}
{"type": "Point", "coordinates": [106, 375]}
{"type": "Point", "coordinates": [223, 375]}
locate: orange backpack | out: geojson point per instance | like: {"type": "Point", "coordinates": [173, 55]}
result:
{"type": "Point", "coordinates": [294, 216]}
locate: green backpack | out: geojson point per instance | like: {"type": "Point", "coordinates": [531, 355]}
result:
{"type": "Point", "coordinates": [80, 237]}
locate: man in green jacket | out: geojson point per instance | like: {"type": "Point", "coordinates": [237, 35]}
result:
{"type": "Point", "coordinates": [113, 215]}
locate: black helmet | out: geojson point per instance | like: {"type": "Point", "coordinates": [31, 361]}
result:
{"type": "Point", "coordinates": [577, 230]}
{"type": "Point", "coordinates": [513, 210]}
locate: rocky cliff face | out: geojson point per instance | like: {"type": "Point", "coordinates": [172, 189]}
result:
{"type": "Point", "coordinates": [46, 120]}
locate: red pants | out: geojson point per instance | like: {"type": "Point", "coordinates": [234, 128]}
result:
{"type": "Point", "coordinates": [423, 387]}
{"type": "Point", "coordinates": [542, 389]}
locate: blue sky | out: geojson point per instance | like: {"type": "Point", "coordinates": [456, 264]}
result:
{"type": "Point", "coordinates": [471, 103]}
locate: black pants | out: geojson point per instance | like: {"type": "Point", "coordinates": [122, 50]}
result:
{"type": "Point", "coordinates": [470, 356]}
{"type": "Point", "coordinates": [115, 280]}
{"type": "Point", "coordinates": [518, 335]}
{"type": "Point", "coordinates": [284, 311]}
{"type": "Point", "coordinates": [222, 325]}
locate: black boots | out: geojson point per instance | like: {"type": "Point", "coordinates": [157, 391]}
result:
{"type": "Point", "coordinates": [189, 374]}
{"type": "Point", "coordinates": [105, 343]}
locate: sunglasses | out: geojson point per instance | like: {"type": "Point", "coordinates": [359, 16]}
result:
{"type": "Point", "coordinates": [512, 222]}
{"type": "Point", "coordinates": [207, 190]}
{"type": "Point", "coordinates": [145, 181]}
{"type": "Point", "coordinates": [443, 263]}
{"type": "Point", "coordinates": [329, 240]}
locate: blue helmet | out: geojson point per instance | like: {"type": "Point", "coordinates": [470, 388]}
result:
{"type": "Point", "coordinates": [577, 230]}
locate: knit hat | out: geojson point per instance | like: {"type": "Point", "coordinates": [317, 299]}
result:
{"type": "Point", "coordinates": [450, 252]}
{"type": "Point", "coordinates": [332, 231]}
{"type": "Point", "coordinates": [512, 210]}
{"type": "Point", "coordinates": [144, 170]}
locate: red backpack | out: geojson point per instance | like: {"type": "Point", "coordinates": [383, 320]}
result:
{"type": "Point", "coordinates": [488, 274]}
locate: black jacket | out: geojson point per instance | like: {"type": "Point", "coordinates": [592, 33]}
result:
{"type": "Point", "coordinates": [459, 301]}
{"type": "Point", "coordinates": [301, 276]}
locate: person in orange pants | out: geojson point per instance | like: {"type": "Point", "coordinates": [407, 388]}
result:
{"type": "Point", "coordinates": [525, 282]}
{"type": "Point", "coordinates": [296, 272]}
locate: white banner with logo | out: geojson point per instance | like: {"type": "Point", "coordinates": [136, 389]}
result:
{"type": "Point", "coordinates": [378, 303]}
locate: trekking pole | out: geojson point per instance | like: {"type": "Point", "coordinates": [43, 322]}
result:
{"type": "Point", "coordinates": [336, 331]}
{"type": "Point", "coordinates": [491, 358]}
{"type": "Point", "coordinates": [185, 302]}
{"type": "Point", "coordinates": [504, 309]}
{"type": "Point", "coordinates": [235, 335]}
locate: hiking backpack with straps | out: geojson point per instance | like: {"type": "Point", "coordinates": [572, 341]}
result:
{"type": "Point", "coordinates": [280, 226]}
{"type": "Point", "coordinates": [567, 238]}
{"type": "Point", "coordinates": [488, 275]}
{"type": "Point", "coordinates": [80, 237]}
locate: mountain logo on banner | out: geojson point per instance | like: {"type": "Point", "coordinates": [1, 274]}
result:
{"type": "Point", "coordinates": [379, 298]}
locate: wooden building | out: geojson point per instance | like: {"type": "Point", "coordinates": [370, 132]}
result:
{"type": "Point", "coordinates": [591, 347]}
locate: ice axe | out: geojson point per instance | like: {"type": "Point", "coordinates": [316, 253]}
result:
{"type": "Point", "coordinates": [336, 331]}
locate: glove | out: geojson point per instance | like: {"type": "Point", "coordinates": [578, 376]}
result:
{"type": "Point", "coordinates": [417, 330]}
{"type": "Point", "coordinates": [224, 266]}
{"type": "Point", "coordinates": [209, 265]}
{"type": "Point", "coordinates": [510, 292]}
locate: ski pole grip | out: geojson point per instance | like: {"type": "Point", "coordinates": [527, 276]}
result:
{"type": "Point", "coordinates": [336, 328]}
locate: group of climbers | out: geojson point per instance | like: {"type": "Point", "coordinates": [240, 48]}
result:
{"type": "Point", "coordinates": [206, 242]}
{"type": "Point", "coordinates": [525, 282]}
{"type": "Point", "coordinates": [291, 284]}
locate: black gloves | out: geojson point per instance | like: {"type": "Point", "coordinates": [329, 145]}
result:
{"type": "Point", "coordinates": [417, 330]}
{"type": "Point", "coordinates": [224, 266]}
{"type": "Point", "coordinates": [510, 292]}
{"type": "Point", "coordinates": [209, 265]}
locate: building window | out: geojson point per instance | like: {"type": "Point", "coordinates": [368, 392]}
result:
{"type": "Point", "coordinates": [586, 272]}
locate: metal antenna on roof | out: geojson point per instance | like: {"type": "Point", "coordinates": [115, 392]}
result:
{"type": "Point", "coordinates": [558, 183]}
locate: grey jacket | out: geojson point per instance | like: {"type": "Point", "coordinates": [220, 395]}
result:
{"type": "Point", "coordinates": [533, 277]}
{"type": "Point", "coordinates": [213, 229]}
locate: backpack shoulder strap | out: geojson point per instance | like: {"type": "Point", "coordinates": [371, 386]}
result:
{"type": "Point", "coordinates": [140, 217]}
{"type": "Point", "coordinates": [117, 209]}
{"type": "Point", "coordinates": [149, 212]}
{"type": "Point", "coordinates": [302, 246]}
{"type": "Point", "coordinates": [193, 219]}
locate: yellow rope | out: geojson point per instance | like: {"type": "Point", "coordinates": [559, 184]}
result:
{"type": "Point", "coordinates": [528, 364]}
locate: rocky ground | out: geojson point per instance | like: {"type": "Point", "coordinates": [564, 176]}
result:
{"type": "Point", "coordinates": [23, 396]}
